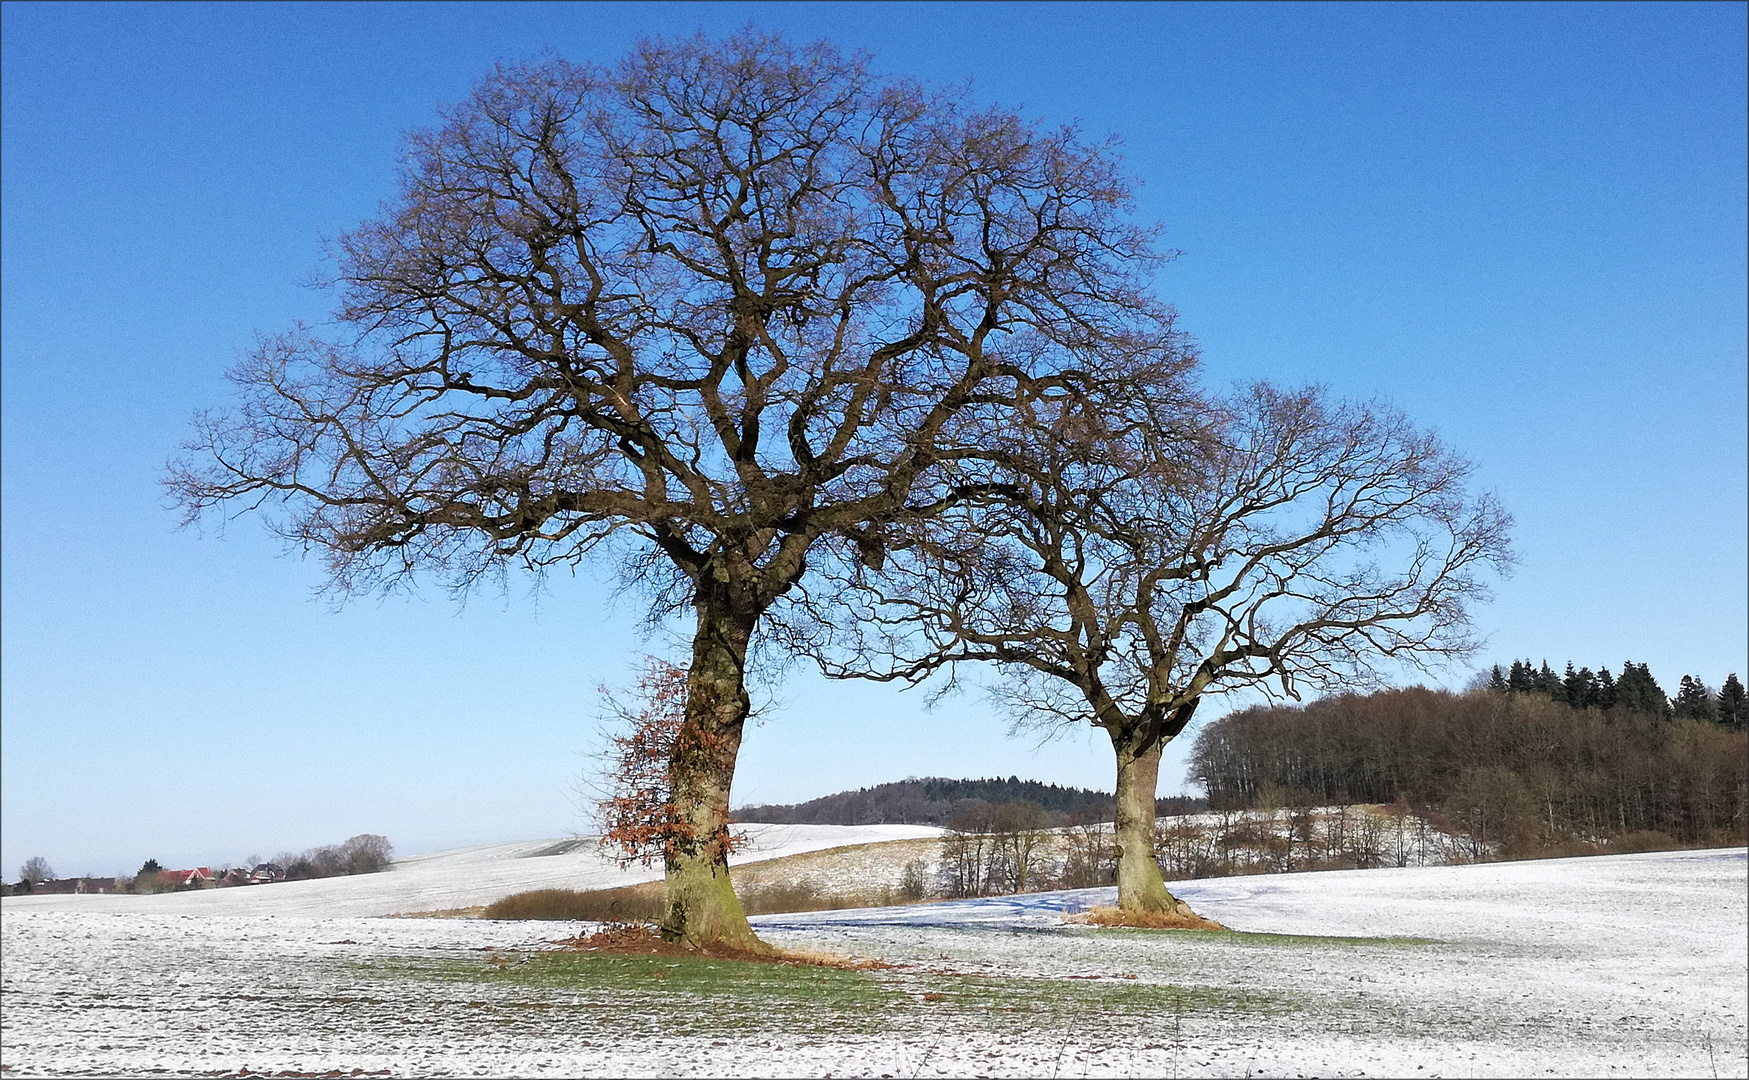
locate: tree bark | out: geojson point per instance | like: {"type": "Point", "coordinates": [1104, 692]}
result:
{"type": "Point", "coordinates": [1140, 888]}
{"type": "Point", "coordinates": [702, 909]}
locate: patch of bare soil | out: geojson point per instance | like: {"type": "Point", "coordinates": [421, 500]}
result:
{"type": "Point", "coordinates": [1142, 920]}
{"type": "Point", "coordinates": [642, 939]}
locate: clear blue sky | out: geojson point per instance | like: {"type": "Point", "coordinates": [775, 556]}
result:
{"type": "Point", "coordinates": [1523, 224]}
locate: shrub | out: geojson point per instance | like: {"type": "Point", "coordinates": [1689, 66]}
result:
{"type": "Point", "coordinates": [631, 903]}
{"type": "Point", "coordinates": [1644, 840]}
{"type": "Point", "coordinates": [914, 880]}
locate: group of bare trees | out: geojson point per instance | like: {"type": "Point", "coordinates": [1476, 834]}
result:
{"type": "Point", "coordinates": [1513, 773]}
{"type": "Point", "coordinates": [1019, 847]}
{"type": "Point", "coordinates": [844, 365]}
{"type": "Point", "coordinates": [366, 853]}
{"type": "Point", "coordinates": [1286, 838]}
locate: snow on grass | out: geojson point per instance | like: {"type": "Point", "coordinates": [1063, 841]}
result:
{"type": "Point", "coordinates": [1622, 965]}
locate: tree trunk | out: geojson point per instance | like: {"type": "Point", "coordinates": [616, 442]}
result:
{"type": "Point", "coordinates": [1140, 888]}
{"type": "Point", "coordinates": [703, 910]}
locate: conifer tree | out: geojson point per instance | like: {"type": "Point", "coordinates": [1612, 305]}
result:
{"type": "Point", "coordinates": [1497, 682]}
{"type": "Point", "coordinates": [1547, 682]}
{"type": "Point", "coordinates": [1637, 691]}
{"type": "Point", "coordinates": [1732, 707]}
{"type": "Point", "coordinates": [1604, 696]}
{"type": "Point", "coordinates": [1694, 701]}
{"type": "Point", "coordinates": [1577, 686]}
{"type": "Point", "coordinates": [1522, 679]}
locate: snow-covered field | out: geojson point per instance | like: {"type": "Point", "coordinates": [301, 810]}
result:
{"type": "Point", "coordinates": [1623, 965]}
{"type": "Point", "coordinates": [459, 878]}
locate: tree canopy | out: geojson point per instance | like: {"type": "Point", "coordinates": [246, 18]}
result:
{"type": "Point", "coordinates": [715, 313]}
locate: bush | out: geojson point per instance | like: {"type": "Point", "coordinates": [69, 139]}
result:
{"type": "Point", "coordinates": [1644, 840]}
{"type": "Point", "coordinates": [149, 879]}
{"type": "Point", "coordinates": [779, 898]}
{"type": "Point", "coordinates": [914, 881]}
{"type": "Point", "coordinates": [631, 903]}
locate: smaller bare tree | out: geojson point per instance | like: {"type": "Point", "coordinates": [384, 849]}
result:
{"type": "Point", "coordinates": [367, 853]}
{"type": "Point", "coordinates": [1023, 833]}
{"type": "Point", "coordinates": [1122, 555]}
{"type": "Point", "coordinates": [34, 872]}
{"type": "Point", "coordinates": [969, 852]}
{"type": "Point", "coordinates": [1090, 859]}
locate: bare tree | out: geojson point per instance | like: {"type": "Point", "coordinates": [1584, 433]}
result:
{"type": "Point", "coordinates": [367, 853]}
{"type": "Point", "coordinates": [1120, 560]}
{"type": "Point", "coordinates": [696, 314]}
{"type": "Point", "coordinates": [969, 851]}
{"type": "Point", "coordinates": [34, 872]}
{"type": "Point", "coordinates": [1088, 861]}
{"type": "Point", "coordinates": [1022, 832]}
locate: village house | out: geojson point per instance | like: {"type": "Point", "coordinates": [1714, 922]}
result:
{"type": "Point", "coordinates": [68, 885]}
{"type": "Point", "coordinates": [199, 877]}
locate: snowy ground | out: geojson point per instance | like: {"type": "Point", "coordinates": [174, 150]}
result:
{"type": "Point", "coordinates": [1626, 965]}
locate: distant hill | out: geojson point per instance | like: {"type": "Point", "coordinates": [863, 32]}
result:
{"type": "Point", "coordinates": [932, 800]}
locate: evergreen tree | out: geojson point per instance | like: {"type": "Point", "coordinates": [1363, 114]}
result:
{"type": "Point", "coordinates": [1547, 682]}
{"type": "Point", "coordinates": [1604, 696]}
{"type": "Point", "coordinates": [1637, 691]}
{"type": "Point", "coordinates": [1522, 679]}
{"type": "Point", "coordinates": [1694, 701]}
{"type": "Point", "coordinates": [1497, 682]}
{"type": "Point", "coordinates": [1581, 687]}
{"type": "Point", "coordinates": [1731, 706]}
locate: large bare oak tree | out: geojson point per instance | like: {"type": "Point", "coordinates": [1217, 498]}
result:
{"type": "Point", "coordinates": [692, 314]}
{"type": "Point", "coordinates": [1121, 555]}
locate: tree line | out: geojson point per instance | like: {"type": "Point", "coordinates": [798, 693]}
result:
{"type": "Point", "coordinates": [1520, 771]}
{"type": "Point", "coordinates": [934, 800]}
{"type": "Point", "coordinates": [1635, 690]}
{"type": "Point", "coordinates": [366, 853]}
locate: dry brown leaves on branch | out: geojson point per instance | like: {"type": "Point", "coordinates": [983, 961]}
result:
{"type": "Point", "coordinates": [643, 821]}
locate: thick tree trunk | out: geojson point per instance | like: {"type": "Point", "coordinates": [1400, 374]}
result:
{"type": "Point", "coordinates": [703, 910]}
{"type": "Point", "coordinates": [1140, 888]}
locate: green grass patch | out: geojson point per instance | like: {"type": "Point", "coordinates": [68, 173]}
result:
{"type": "Point", "coordinates": [698, 995]}
{"type": "Point", "coordinates": [1056, 1004]}
{"type": "Point", "coordinates": [685, 995]}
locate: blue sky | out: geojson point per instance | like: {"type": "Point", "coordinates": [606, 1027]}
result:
{"type": "Point", "coordinates": [1523, 224]}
